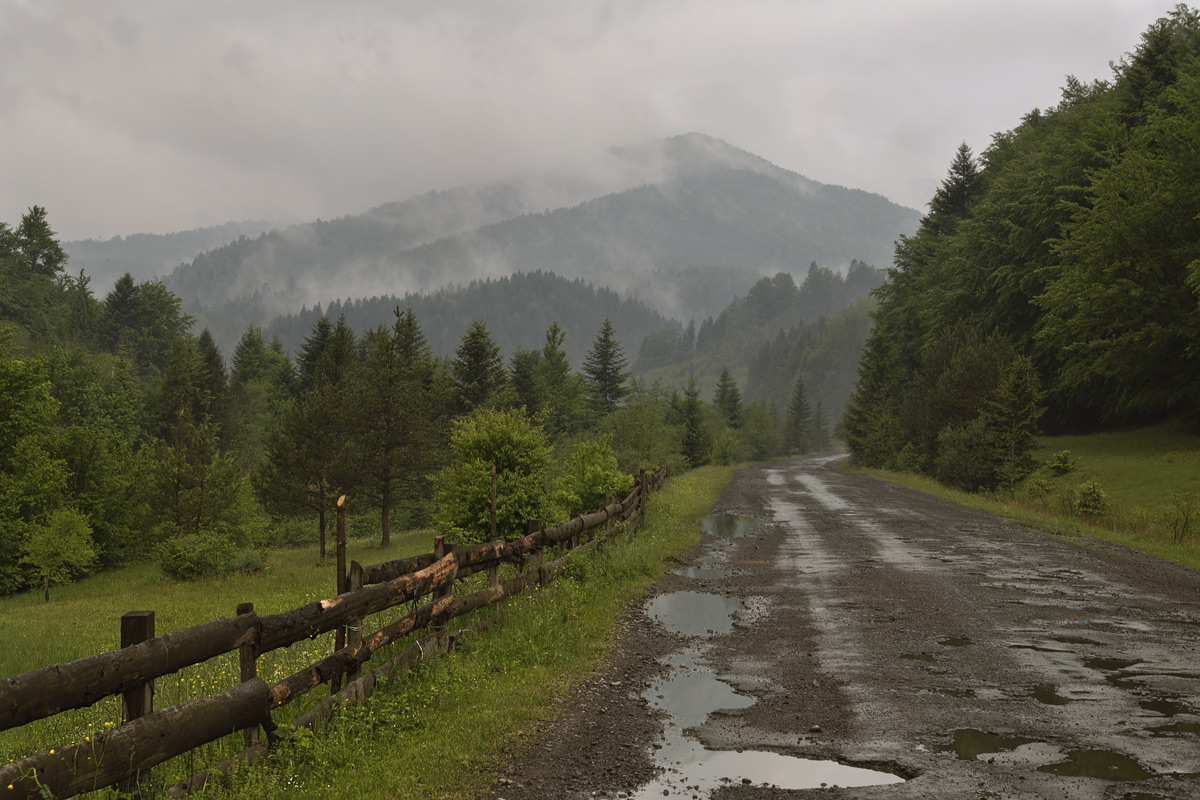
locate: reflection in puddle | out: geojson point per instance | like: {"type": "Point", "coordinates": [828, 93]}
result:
{"type": "Point", "coordinates": [732, 525]}
{"type": "Point", "coordinates": [688, 694]}
{"type": "Point", "coordinates": [703, 573]}
{"type": "Point", "coordinates": [1103, 764]}
{"type": "Point", "coordinates": [694, 613]}
{"type": "Point", "coordinates": [1047, 695]}
{"type": "Point", "coordinates": [969, 743]}
{"type": "Point", "coordinates": [917, 657]}
{"type": "Point", "coordinates": [1110, 664]}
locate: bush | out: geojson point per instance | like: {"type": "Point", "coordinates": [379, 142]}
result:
{"type": "Point", "coordinates": [724, 451]}
{"type": "Point", "coordinates": [189, 556]}
{"type": "Point", "coordinates": [1061, 463]}
{"type": "Point", "coordinates": [964, 457]}
{"type": "Point", "coordinates": [1091, 499]}
{"type": "Point", "coordinates": [590, 475]}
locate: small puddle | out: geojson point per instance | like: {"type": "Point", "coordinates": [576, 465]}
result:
{"type": "Point", "coordinates": [1110, 664]}
{"type": "Point", "coordinates": [1176, 729]}
{"type": "Point", "coordinates": [917, 657]}
{"type": "Point", "coordinates": [703, 573]}
{"type": "Point", "coordinates": [969, 743]}
{"type": "Point", "coordinates": [1168, 708]}
{"type": "Point", "coordinates": [732, 525]}
{"type": "Point", "coordinates": [1037, 649]}
{"type": "Point", "coordinates": [695, 613]}
{"type": "Point", "coordinates": [955, 641]}
{"type": "Point", "coordinates": [1048, 695]}
{"type": "Point", "coordinates": [1104, 764]}
{"type": "Point", "coordinates": [1074, 640]}
{"type": "Point", "coordinates": [688, 694]}
{"type": "Point", "coordinates": [956, 692]}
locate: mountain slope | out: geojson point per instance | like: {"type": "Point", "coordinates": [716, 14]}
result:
{"type": "Point", "coordinates": [691, 201]}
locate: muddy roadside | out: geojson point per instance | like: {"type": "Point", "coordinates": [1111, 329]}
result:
{"type": "Point", "coordinates": [933, 650]}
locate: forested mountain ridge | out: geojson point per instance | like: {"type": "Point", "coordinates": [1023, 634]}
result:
{"type": "Point", "coordinates": [690, 202]}
{"type": "Point", "coordinates": [1057, 277]}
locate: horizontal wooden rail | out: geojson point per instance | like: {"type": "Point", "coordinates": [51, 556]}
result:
{"type": "Point", "coordinates": [138, 745]}
{"type": "Point", "coordinates": [61, 687]}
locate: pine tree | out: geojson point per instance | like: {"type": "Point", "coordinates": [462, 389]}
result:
{"type": "Point", "coordinates": [477, 369]}
{"type": "Point", "coordinates": [797, 427]}
{"type": "Point", "coordinates": [697, 441]}
{"type": "Point", "coordinates": [605, 370]}
{"type": "Point", "coordinates": [394, 409]}
{"type": "Point", "coordinates": [728, 400]}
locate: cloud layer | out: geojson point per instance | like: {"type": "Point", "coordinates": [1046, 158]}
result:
{"type": "Point", "coordinates": [143, 116]}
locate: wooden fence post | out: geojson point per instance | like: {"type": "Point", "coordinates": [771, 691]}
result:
{"type": "Point", "coordinates": [248, 659]}
{"type": "Point", "coordinates": [493, 582]}
{"type": "Point", "coordinates": [535, 558]}
{"type": "Point", "coordinates": [136, 627]}
{"type": "Point", "coordinates": [441, 626]}
{"type": "Point", "coordinates": [354, 627]}
{"type": "Point", "coordinates": [339, 637]}
{"type": "Point", "coordinates": [494, 535]}
{"type": "Point", "coordinates": [643, 493]}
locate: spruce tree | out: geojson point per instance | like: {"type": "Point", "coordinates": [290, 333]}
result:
{"type": "Point", "coordinates": [477, 369]}
{"type": "Point", "coordinates": [697, 442]}
{"type": "Point", "coordinates": [798, 425]}
{"type": "Point", "coordinates": [728, 400]}
{"type": "Point", "coordinates": [605, 370]}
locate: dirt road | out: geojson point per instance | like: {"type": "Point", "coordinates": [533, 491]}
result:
{"type": "Point", "coordinates": [856, 634]}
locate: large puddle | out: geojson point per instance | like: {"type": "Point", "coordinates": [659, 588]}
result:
{"type": "Point", "coordinates": [688, 694]}
{"type": "Point", "coordinates": [1103, 764]}
{"type": "Point", "coordinates": [969, 744]}
{"type": "Point", "coordinates": [695, 613]}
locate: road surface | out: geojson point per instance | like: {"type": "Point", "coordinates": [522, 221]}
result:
{"type": "Point", "coordinates": [856, 634]}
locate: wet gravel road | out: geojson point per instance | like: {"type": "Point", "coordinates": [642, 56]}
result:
{"type": "Point", "coordinates": [853, 634]}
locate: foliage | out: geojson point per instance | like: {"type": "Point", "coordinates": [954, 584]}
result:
{"type": "Point", "coordinates": [191, 556]}
{"type": "Point", "coordinates": [1091, 499]}
{"type": "Point", "coordinates": [1061, 463]}
{"type": "Point", "coordinates": [518, 449]}
{"type": "Point", "coordinates": [728, 400]}
{"type": "Point", "coordinates": [590, 477]}
{"type": "Point", "coordinates": [697, 439]}
{"type": "Point", "coordinates": [724, 449]}
{"type": "Point", "coordinates": [477, 370]}
{"type": "Point", "coordinates": [61, 550]}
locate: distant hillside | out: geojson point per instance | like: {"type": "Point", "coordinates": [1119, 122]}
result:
{"type": "Point", "coordinates": [148, 255]}
{"type": "Point", "coordinates": [688, 202]}
{"type": "Point", "coordinates": [517, 309]}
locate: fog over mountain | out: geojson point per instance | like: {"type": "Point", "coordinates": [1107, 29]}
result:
{"type": "Point", "coordinates": [638, 220]}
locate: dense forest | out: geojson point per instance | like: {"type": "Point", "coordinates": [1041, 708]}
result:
{"type": "Point", "coordinates": [126, 436]}
{"type": "Point", "coordinates": [1054, 281]}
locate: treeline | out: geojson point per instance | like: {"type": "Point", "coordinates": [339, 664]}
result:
{"type": "Point", "coordinates": [777, 332]}
{"type": "Point", "coordinates": [125, 437]}
{"type": "Point", "coordinates": [1055, 277]}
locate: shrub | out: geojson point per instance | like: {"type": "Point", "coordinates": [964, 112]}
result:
{"type": "Point", "coordinates": [964, 457]}
{"type": "Point", "coordinates": [189, 556]}
{"type": "Point", "coordinates": [1061, 463]}
{"type": "Point", "coordinates": [724, 451]}
{"type": "Point", "coordinates": [1091, 499]}
{"type": "Point", "coordinates": [589, 476]}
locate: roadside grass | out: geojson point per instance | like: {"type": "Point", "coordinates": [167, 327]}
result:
{"type": "Point", "coordinates": [446, 727]}
{"type": "Point", "coordinates": [440, 731]}
{"type": "Point", "coordinates": [1149, 476]}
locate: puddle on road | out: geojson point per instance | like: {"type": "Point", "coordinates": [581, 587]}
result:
{"type": "Point", "coordinates": [1074, 640]}
{"type": "Point", "coordinates": [688, 694]}
{"type": "Point", "coordinates": [733, 526]}
{"type": "Point", "coordinates": [1168, 708]}
{"type": "Point", "coordinates": [969, 743]}
{"type": "Point", "coordinates": [1175, 729]}
{"type": "Point", "coordinates": [1035, 648]}
{"type": "Point", "coordinates": [695, 613]}
{"type": "Point", "coordinates": [1110, 664]}
{"type": "Point", "coordinates": [917, 657]}
{"type": "Point", "coordinates": [956, 692]}
{"type": "Point", "coordinates": [704, 573]}
{"type": "Point", "coordinates": [1104, 764]}
{"type": "Point", "coordinates": [1048, 695]}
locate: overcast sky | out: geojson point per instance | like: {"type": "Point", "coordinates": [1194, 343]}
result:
{"type": "Point", "coordinates": [124, 117]}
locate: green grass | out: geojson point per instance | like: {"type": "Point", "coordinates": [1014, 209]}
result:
{"type": "Point", "coordinates": [438, 732]}
{"type": "Point", "coordinates": [1142, 472]}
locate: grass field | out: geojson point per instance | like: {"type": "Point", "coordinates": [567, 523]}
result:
{"type": "Point", "coordinates": [1150, 478]}
{"type": "Point", "coordinates": [436, 733]}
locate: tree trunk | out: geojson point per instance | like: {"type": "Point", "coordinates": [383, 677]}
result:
{"type": "Point", "coordinates": [386, 521]}
{"type": "Point", "coordinates": [321, 518]}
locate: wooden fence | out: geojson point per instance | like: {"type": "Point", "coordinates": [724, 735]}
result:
{"type": "Point", "coordinates": [148, 737]}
